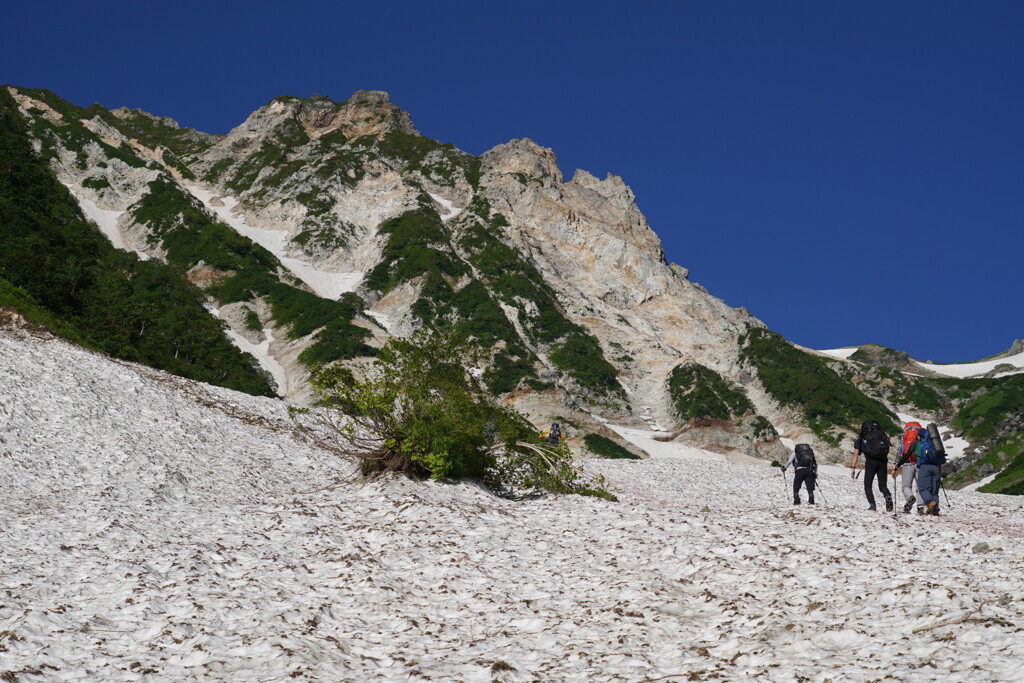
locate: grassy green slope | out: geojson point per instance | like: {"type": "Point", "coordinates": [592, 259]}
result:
{"type": "Point", "coordinates": [59, 270]}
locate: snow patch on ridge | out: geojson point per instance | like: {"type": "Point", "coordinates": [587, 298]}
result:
{"type": "Point", "coordinates": [843, 353]}
{"type": "Point", "coordinates": [961, 370]}
{"type": "Point", "coordinates": [449, 208]}
{"type": "Point", "coordinates": [107, 221]}
{"type": "Point", "coordinates": [261, 352]}
{"type": "Point", "coordinates": [324, 283]}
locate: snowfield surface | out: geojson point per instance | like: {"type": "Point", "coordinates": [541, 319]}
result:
{"type": "Point", "coordinates": [155, 529]}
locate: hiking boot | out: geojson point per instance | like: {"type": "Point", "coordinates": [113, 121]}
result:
{"type": "Point", "coordinates": [888, 505]}
{"type": "Point", "coordinates": [810, 501]}
{"type": "Point", "coordinates": [932, 509]}
{"type": "Point", "coordinates": [796, 501]}
{"type": "Point", "coordinates": [909, 506]}
{"type": "Point", "coordinates": [871, 507]}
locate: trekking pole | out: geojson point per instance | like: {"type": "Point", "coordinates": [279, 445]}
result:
{"type": "Point", "coordinates": [943, 487]}
{"type": "Point", "coordinates": [818, 487]}
{"type": "Point", "coordinates": [894, 489]}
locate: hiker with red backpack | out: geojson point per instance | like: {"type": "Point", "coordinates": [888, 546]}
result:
{"type": "Point", "coordinates": [805, 471]}
{"type": "Point", "coordinates": [908, 470]}
{"type": "Point", "coordinates": [926, 445]}
{"type": "Point", "coordinates": [874, 444]}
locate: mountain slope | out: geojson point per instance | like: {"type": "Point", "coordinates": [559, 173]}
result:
{"type": "Point", "coordinates": [316, 229]}
{"type": "Point", "coordinates": [56, 267]}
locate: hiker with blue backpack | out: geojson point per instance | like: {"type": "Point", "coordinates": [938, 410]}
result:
{"type": "Point", "coordinates": [874, 444]}
{"type": "Point", "coordinates": [926, 445]}
{"type": "Point", "coordinates": [908, 471]}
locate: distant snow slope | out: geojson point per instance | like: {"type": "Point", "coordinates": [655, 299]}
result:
{"type": "Point", "coordinates": [978, 368]}
{"type": "Point", "coordinates": [157, 529]}
{"type": "Point", "coordinates": [841, 353]}
{"type": "Point", "coordinates": [959, 370]}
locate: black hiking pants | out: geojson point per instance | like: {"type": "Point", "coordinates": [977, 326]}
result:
{"type": "Point", "coordinates": [872, 469]}
{"type": "Point", "coordinates": [802, 475]}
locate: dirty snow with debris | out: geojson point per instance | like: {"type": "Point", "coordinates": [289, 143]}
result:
{"type": "Point", "coordinates": [156, 529]}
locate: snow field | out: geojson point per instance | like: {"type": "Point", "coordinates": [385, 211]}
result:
{"type": "Point", "coordinates": [326, 284]}
{"type": "Point", "coordinates": [157, 529]}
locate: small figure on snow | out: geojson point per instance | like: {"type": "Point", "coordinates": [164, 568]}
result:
{"type": "Point", "coordinates": [804, 472]}
{"type": "Point", "coordinates": [874, 444]}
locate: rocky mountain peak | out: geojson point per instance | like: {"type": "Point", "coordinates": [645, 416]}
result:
{"type": "Point", "coordinates": [125, 113]}
{"type": "Point", "coordinates": [367, 112]}
{"type": "Point", "coordinates": [523, 158]}
{"type": "Point", "coordinates": [612, 188]}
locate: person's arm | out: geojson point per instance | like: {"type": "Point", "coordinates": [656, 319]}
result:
{"type": "Point", "coordinates": [904, 459]}
{"type": "Point", "coordinates": [856, 454]}
{"type": "Point", "coordinates": [792, 459]}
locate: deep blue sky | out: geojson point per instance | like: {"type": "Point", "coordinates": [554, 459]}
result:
{"type": "Point", "coordinates": [851, 172]}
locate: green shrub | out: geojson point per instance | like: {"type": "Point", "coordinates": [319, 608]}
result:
{"type": "Point", "coordinates": [579, 355]}
{"type": "Point", "coordinates": [420, 412]}
{"type": "Point", "coordinates": [96, 183]}
{"type": "Point", "coordinates": [252, 321]}
{"type": "Point", "coordinates": [418, 243]}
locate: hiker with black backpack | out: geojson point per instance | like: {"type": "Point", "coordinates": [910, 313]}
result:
{"type": "Point", "coordinates": [874, 444]}
{"type": "Point", "coordinates": [553, 435]}
{"type": "Point", "coordinates": [805, 471]}
{"type": "Point", "coordinates": [931, 455]}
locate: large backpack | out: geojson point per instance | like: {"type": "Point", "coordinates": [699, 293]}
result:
{"type": "Point", "coordinates": [926, 453]}
{"type": "Point", "coordinates": [874, 443]}
{"type": "Point", "coordinates": [804, 456]}
{"type": "Point", "coordinates": [910, 440]}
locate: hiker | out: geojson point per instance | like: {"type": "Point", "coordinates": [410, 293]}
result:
{"type": "Point", "coordinates": [805, 471]}
{"type": "Point", "coordinates": [929, 461]}
{"type": "Point", "coordinates": [553, 434]}
{"type": "Point", "coordinates": [874, 444]}
{"type": "Point", "coordinates": [908, 471]}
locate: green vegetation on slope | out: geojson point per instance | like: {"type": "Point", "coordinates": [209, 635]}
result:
{"type": "Point", "coordinates": [1011, 479]}
{"type": "Point", "coordinates": [983, 416]}
{"type": "Point", "coordinates": [795, 378]}
{"type": "Point", "coordinates": [57, 268]}
{"type": "Point", "coordinates": [519, 285]}
{"type": "Point", "coordinates": [606, 448]}
{"type": "Point", "coordinates": [699, 392]}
